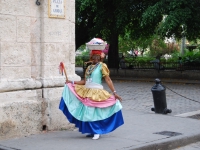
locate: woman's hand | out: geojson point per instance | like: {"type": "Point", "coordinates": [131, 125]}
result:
{"type": "Point", "coordinates": [111, 86]}
{"type": "Point", "coordinates": [68, 81]}
{"type": "Point", "coordinates": [87, 62]}
{"type": "Point", "coordinates": [82, 82]}
{"type": "Point", "coordinates": [118, 97]}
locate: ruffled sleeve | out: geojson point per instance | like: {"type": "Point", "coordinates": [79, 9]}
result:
{"type": "Point", "coordinates": [105, 70]}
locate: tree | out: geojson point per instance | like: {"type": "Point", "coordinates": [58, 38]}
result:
{"type": "Point", "coordinates": [84, 22]}
{"type": "Point", "coordinates": [104, 19]}
{"type": "Point", "coordinates": [169, 17]}
{"type": "Point", "coordinates": [126, 43]}
{"type": "Point", "coordinates": [144, 42]}
{"type": "Point", "coordinates": [108, 19]}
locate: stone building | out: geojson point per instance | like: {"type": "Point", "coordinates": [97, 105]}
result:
{"type": "Point", "coordinates": [32, 45]}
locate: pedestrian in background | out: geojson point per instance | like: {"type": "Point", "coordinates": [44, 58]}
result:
{"type": "Point", "coordinates": [122, 63]}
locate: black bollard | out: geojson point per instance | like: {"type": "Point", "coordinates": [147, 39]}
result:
{"type": "Point", "coordinates": [159, 98]}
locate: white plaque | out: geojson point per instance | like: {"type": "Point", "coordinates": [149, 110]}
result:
{"type": "Point", "coordinates": [57, 8]}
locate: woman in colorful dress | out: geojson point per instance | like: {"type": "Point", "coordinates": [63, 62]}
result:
{"type": "Point", "coordinates": [86, 104]}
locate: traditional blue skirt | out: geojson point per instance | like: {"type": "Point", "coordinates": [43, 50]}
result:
{"type": "Point", "coordinates": [94, 120]}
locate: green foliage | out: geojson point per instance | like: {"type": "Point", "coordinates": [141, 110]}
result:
{"type": "Point", "coordinates": [158, 47]}
{"type": "Point", "coordinates": [144, 59]}
{"type": "Point", "coordinates": [129, 59]}
{"type": "Point", "coordinates": [79, 60]}
{"type": "Point", "coordinates": [167, 17]}
{"type": "Point", "coordinates": [135, 22]}
{"type": "Point", "coordinates": [191, 58]}
{"type": "Point", "coordinates": [108, 19]}
{"type": "Point", "coordinates": [139, 59]}
{"type": "Point", "coordinates": [85, 53]}
{"type": "Point", "coordinates": [82, 47]}
{"type": "Point", "coordinates": [126, 43]}
{"type": "Point", "coordinates": [98, 18]}
{"type": "Point", "coordinates": [174, 57]}
{"type": "Point", "coordinates": [83, 58]}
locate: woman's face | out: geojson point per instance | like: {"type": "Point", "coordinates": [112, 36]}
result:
{"type": "Point", "coordinates": [95, 59]}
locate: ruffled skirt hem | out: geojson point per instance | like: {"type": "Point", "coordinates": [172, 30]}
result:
{"type": "Point", "coordinates": [87, 101]}
{"type": "Point", "coordinates": [94, 127]}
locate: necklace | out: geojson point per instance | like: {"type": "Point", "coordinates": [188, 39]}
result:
{"type": "Point", "coordinates": [90, 70]}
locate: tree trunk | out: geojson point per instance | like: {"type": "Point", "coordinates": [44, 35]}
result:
{"type": "Point", "coordinates": [113, 56]}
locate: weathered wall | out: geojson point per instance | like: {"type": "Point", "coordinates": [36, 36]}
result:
{"type": "Point", "coordinates": [31, 47]}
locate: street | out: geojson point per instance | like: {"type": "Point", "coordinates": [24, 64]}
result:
{"type": "Point", "coordinates": [137, 96]}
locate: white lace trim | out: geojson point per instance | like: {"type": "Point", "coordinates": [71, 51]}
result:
{"type": "Point", "coordinates": [92, 85]}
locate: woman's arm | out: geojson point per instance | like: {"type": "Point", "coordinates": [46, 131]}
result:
{"type": "Point", "coordinates": [82, 82]}
{"type": "Point", "coordinates": [111, 86]}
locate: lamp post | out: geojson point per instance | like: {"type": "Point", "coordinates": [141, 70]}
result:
{"type": "Point", "coordinates": [183, 41]}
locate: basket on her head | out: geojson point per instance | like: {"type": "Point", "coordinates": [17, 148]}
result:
{"type": "Point", "coordinates": [96, 44]}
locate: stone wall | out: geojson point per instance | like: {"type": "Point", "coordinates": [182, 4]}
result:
{"type": "Point", "coordinates": [31, 47]}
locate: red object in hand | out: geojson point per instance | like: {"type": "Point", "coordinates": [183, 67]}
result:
{"type": "Point", "coordinates": [61, 67]}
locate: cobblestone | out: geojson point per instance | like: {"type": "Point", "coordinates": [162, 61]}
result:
{"type": "Point", "coordinates": [138, 96]}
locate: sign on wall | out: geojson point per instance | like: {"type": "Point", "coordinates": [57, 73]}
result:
{"type": "Point", "coordinates": [57, 8]}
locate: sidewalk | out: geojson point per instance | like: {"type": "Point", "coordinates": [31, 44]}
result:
{"type": "Point", "coordinates": [141, 131]}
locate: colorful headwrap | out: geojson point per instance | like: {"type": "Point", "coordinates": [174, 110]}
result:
{"type": "Point", "coordinates": [105, 51]}
{"type": "Point", "coordinates": [96, 52]}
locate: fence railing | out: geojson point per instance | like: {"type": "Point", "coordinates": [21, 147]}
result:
{"type": "Point", "coordinates": [163, 66]}
{"type": "Point", "coordinates": [157, 66]}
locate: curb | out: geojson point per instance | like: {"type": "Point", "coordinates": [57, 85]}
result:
{"type": "Point", "coordinates": [170, 144]}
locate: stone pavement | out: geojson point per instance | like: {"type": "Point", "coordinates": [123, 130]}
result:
{"type": "Point", "coordinates": [143, 129]}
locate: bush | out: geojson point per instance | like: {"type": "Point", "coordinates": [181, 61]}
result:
{"type": "Point", "coordinates": [139, 59]}
{"type": "Point", "coordinates": [191, 58]}
{"type": "Point", "coordinates": [79, 60]}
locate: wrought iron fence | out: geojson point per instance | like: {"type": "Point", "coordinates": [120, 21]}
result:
{"type": "Point", "coordinates": [158, 66]}
{"type": "Point", "coordinates": [162, 66]}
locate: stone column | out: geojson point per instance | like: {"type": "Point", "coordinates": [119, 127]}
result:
{"type": "Point", "coordinates": [31, 47]}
